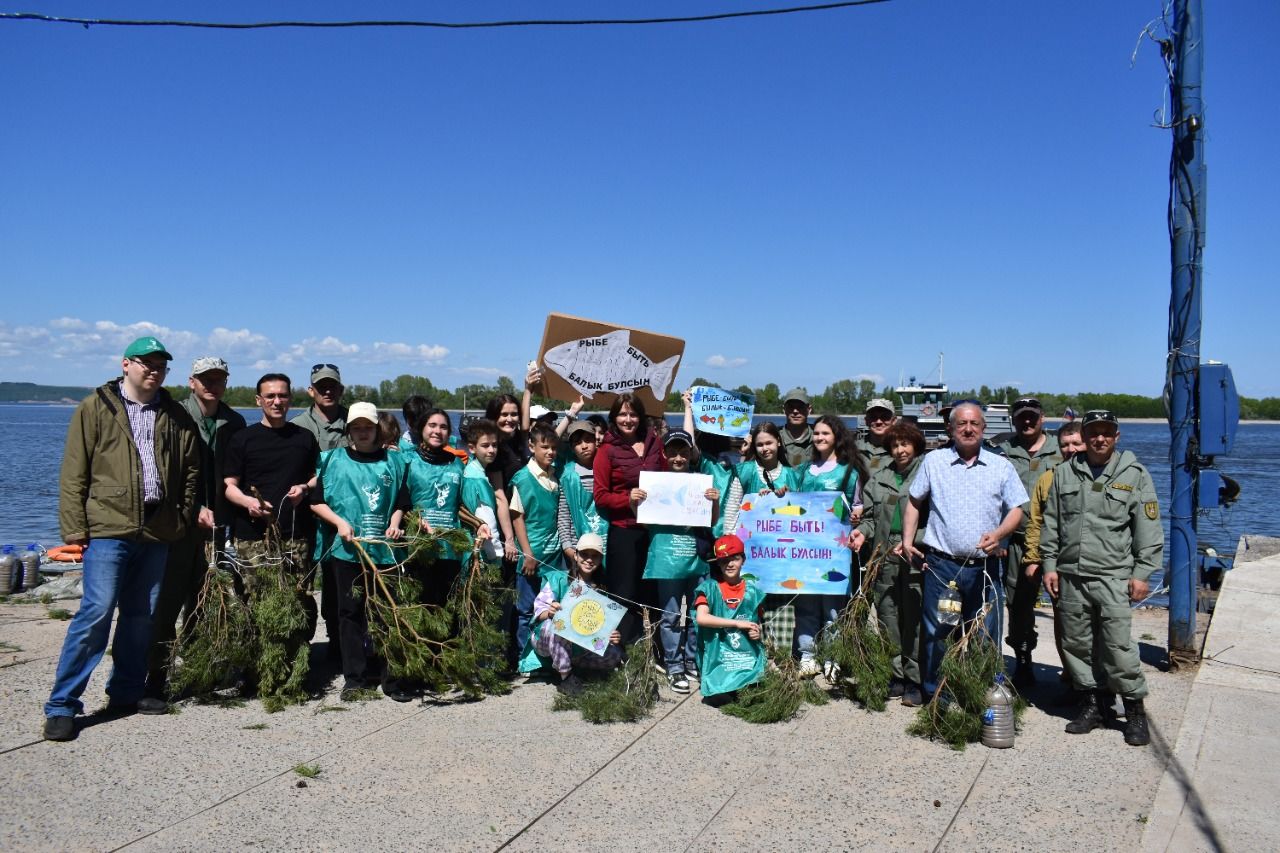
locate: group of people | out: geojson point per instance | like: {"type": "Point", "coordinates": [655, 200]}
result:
{"type": "Point", "coordinates": [553, 500]}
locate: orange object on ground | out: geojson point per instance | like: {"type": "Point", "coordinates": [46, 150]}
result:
{"type": "Point", "coordinates": [67, 554]}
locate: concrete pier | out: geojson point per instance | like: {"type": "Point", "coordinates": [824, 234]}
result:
{"type": "Point", "coordinates": [508, 773]}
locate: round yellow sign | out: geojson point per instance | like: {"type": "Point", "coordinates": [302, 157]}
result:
{"type": "Point", "coordinates": [587, 617]}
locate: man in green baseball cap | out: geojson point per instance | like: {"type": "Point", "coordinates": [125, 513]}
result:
{"type": "Point", "coordinates": [128, 489]}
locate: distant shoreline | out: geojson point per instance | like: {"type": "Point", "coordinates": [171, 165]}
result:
{"type": "Point", "coordinates": [779, 415]}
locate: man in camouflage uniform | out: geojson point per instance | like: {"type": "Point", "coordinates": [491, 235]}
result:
{"type": "Point", "coordinates": [1101, 541]}
{"type": "Point", "coordinates": [1032, 452]}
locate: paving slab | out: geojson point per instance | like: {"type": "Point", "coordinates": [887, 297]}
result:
{"type": "Point", "coordinates": [509, 773]}
{"type": "Point", "coordinates": [1218, 792]}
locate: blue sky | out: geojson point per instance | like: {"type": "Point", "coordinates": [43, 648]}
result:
{"type": "Point", "coordinates": [802, 198]}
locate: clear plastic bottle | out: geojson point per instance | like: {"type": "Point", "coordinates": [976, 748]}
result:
{"type": "Point", "coordinates": [31, 567]}
{"type": "Point", "coordinates": [10, 571]}
{"type": "Point", "coordinates": [998, 726]}
{"type": "Point", "coordinates": [949, 605]}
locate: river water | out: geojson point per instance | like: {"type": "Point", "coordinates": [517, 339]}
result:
{"type": "Point", "coordinates": [32, 437]}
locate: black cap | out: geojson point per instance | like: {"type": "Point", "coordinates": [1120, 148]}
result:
{"type": "Point", "coordinates": [677, 435]}
{"type": "Point", "coordinates": [1098, 416]}
{"type": "Point", "coordinates": [1027, 404]}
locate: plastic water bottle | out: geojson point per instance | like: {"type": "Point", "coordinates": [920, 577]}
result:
{"type": "Point", "coordinates": [9, 570]}
{"type": "Point", "coordinates": [31, 567]}
{"type": "Point", "coordinates": [997, 720]}
{"type": "Point", "coordinates": [949, 605]}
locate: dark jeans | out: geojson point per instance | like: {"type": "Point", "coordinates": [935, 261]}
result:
{"type": "Point", "coordinates": [1022, 593]}
{"type": "Point", "coordinates": [628, 552]}
{"type": "Point", "coordinates": [979, 581]}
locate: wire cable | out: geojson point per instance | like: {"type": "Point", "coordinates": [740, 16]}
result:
{"type": "Point", "coordinates": [444, 25]}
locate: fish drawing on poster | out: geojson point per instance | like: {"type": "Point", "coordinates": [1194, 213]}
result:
{"type": "Point", "coordinates": [797, 544]}
{"type": "Point", "coordinates": [587, 618]}
{"type": "Point", "coordinates": [609, 363]}
{"type": "Point", "coordinates": [678, 499]}
{"type": "Point", "coordinates": [720, 411]}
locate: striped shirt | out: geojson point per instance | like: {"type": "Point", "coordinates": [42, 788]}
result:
{"type": "Point", "coordinates": [965, 501]}
{"type": "Point", "coordinates": [142, 423]}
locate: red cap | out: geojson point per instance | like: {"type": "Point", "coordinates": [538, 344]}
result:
{"type": "Point", "coordinates": [728, 546]}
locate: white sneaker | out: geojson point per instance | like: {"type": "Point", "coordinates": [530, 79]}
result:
{"type": "Point", "coordinates": [678, 682]}
{"type": "Point", "coordinates": [808, 668]}
{"type": "Point", "coordinates": [831, 671]}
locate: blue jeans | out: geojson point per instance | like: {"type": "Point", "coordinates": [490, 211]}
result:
{"type": "Point", "coordinates": [527, 589]}
{"type": "Point", "coordinates": [978, 581]}
{"type": "Point", "coordinates": [813, 613]}
{"type": "Point", "coordinates": [120, 573]}
{"type": "Point", "coordinates": [679, 643]}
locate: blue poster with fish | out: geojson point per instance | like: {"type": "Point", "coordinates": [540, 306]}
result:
{"type": "Point", "coordinates": [720, 411]}
{"type": "Point", "coordinates": [798, 543]}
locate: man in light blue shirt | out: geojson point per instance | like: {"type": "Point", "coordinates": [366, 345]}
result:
{"type": "Point", "coordinates": [974, 498]}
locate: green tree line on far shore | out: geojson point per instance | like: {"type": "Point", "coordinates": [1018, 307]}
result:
{"type": "Point", "coordinates": [843, 397]}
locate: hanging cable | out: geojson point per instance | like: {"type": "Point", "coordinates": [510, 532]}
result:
{"type": "Point", "coordinates": [444, 25]}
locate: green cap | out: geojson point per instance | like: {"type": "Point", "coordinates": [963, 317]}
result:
{"type": "Point", "coordinates": [147, 346]}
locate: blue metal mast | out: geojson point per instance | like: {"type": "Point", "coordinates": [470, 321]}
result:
{"type": "Point", "coordinates": [1184, 53]}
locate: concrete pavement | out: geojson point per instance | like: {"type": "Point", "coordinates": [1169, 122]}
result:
{"type": "Point", "coordinates": [508, 773]}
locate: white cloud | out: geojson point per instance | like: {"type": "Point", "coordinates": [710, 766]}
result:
{"type": "Point", "coordinates": [68, 323]}
{"type": "Point", "coordinates": [22, 340]}
{"type": "Point", "coordinates": [238, 344]}
{"type": "Point", "coordinates": [721, 361]}
{"type": "Point", "coordinates": [430, 353]}
{"type": "Point", "coordinates": [489, 372]}
{"type": "Point", "coordinates": [315, 348]}
{"type": "Point", "coordinates": [874, 377]}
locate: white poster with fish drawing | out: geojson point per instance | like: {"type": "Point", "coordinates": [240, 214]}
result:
{"type": "Point", "coordinates": [678, 499]}
{"type": "Point", "coordinates": [600, 361]}
{"type": "Point", "coordinates": [720, 411]}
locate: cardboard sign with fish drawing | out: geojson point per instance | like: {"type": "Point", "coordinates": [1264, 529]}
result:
{"type": "Point", "coordinates": [602, 360]}
{"type": "Point", "coordinates": [798, 543]}
{"type": "Point", "coordinates": [720, 411]}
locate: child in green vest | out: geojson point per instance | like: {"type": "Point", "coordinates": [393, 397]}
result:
{"type": "Point", "coordinates": [547, 646]}
{"type": "Point", "coordinates": [675, 566]}
{"type": "Point", "coordinates": [534, 497]}
{"type": "Point", "coordinates": [435, 487]}
{"type": "Point", "coordinates": [576, 513]}
{"type": "Point", "coordinates": [730, 649]}
{"type": "Point", "coordinates": [478, 495]}
{"type": "Point", "coordinates": [360, 493]}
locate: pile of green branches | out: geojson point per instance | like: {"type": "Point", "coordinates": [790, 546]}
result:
{"type": "Point", "coordinates": [221, 640]}
{"type": "Point", "coordinates": [455, 647]}
{"type": "Point", "coordinates": [857, 644]}
{"type": "Point", "coordinates": [778, 695]}
{"type": "Point", "coordinates": [967, 670]}
{"type": "Point", "coordinates": [254, 619]}
{"type": "Point", "coordinates": [627, 694]}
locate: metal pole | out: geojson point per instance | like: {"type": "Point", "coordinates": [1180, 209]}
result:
{"type": "Point", "coordinates": [1186, 234]}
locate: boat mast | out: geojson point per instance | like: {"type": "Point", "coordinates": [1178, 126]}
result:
{"type": "Point", "coordinates": [1184, 53]}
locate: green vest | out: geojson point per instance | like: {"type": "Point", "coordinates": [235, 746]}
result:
{"type": "Point", "coordinates": [721, 478]}
{"type": "Point", "coordinates": [582, 506]}
{"type": "Point", "coordinates": [530, 660]}
{"type": "Point", "coordinates": [673, 554]}
{"type": "Point", "coordinates": [363, 494]}
{"type": "Point", "coordinates": [727, 659]}
{"type": "Point", "coordinates": [831, 481]}
{"type": "Point", "coordinates": [436, 492]}
{"type": "Point", "coordinates": [753, 481]}
{"type": "Point", "coordinates": [539, 520]}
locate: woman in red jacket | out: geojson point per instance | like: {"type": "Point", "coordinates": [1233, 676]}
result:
{"type": "Point", "coordinates": [629, 447]}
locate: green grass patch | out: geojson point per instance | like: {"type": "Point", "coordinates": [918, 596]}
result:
{"type": "Point", "coordinates": [59, 613]}
{"type": "Point", "coordinates": [307, 771]}
{"type": "Point", "coordinates": [255, 727]}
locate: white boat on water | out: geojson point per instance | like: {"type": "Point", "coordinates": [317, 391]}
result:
{"type": "Point", "coordinates": [922, 404]}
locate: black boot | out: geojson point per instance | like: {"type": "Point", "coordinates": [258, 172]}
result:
{"type": "Point", "coordinates": [1089, 716]}
{"type": "Point", "coordinates": [1135, 725]}
{"type": "Point", "coordinates": [1024, 677]}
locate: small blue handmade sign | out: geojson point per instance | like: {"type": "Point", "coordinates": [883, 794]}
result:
{"type": "Point", "coordinates": [720, 411]}
{"type": "Point", "coordinates": [798, 543]}
{"type": "Point", "coordinates": [587, 618]}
